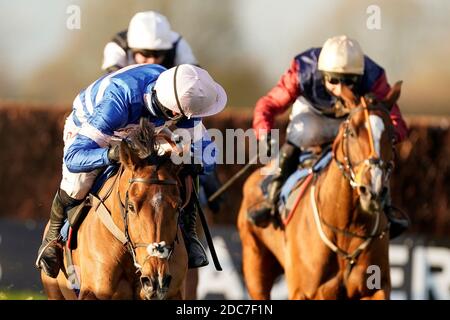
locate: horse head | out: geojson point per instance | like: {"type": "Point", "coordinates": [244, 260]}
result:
{"type": "Point", "coordinates": [149, 190]}
{"type": "Point", "coordinates": [364, 147]}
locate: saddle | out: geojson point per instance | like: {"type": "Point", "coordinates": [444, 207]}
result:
{"type": "Point", "coordinates": [295, 186]}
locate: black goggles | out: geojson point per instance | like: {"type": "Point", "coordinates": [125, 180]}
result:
{"type": "Point", "coordinates": [344, 79]}
{"type": "Point", "coordinates": [150, 53]}
{"type": "Point", "coordinates": [163, 111]}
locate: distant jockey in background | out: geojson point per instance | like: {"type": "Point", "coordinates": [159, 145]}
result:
{"type": "Point", "coordinates": [313, 85]}
{"type": "Point", "coordinates": [149, 39]}
{"type": "Point", "coordinates": [104, 112]}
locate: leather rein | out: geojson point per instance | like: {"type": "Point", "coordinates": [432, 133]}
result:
{"type": "Point", "coordinates": [160, 250]}
{"type": "Point", "coordinates": [348, 170]}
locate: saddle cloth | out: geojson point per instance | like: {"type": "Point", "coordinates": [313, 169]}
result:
{"type": "Point", "coordinates": [291, 188]}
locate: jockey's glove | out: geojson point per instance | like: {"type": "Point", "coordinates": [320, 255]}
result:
{"type": "Point", "coordinates": [114, 153]}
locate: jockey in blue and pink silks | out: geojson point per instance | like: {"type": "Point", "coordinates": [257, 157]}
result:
{"type": "Point", "coordinates": [313, 84]}
{"type": "Point", "coordinates": [107, 109]}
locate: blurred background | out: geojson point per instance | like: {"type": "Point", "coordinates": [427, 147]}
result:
{"type": "Point", "coordinates": [246, 46]}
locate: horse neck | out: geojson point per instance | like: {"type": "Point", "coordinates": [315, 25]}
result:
{"type": "Point", "coordinates": [336, 199]}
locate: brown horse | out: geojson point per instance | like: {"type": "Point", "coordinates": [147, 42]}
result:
{"type": "Point", "coordinates": [336, 243]}
{"type": "Point", "coordinates": [140, 253]}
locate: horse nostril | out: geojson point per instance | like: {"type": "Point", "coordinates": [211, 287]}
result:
{"type": "Point", "coordinates": [363, 190]}
{"type": "Point", "coordinates": [146, 283]}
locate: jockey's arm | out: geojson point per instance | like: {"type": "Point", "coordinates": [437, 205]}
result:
{"type": "Point", "coordinates": [89, 151]}
{"type": "Point", "coordinates": [381, 88]}
{"type": "Point", "coordinates": [276, 101]}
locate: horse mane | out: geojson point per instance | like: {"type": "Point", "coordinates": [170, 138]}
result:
{"type": "Point", "coordinates": [142, 140]}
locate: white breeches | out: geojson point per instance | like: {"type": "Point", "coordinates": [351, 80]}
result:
{"type": "Point", "coordinates": [308, 128]}
{"type": "Point", "coordinates": [77, 185]}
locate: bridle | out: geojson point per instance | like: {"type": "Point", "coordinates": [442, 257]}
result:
{"type": "Point", "coordinates": [353, 173]}
{"type": "Point", "coordinates": [372, 162]}
{"type": "Point", "coordinates": [160, 250]}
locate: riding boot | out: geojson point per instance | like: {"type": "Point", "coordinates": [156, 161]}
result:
{"type": "Point", "coordinates": [398, 224]}
{"type": "Point", "coordinates": [50, 256]}
{"type": "Point", "coordinates": [262, 216]}
{"type": "Point", "coordinates": [196, 252]}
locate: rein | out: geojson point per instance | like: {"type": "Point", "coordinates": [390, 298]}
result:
{"type": "Point", "coordinates": [160, 250]}
{"type": "Point", "coordinates": [348, 171]}
{"type": "Point", "coordinates": [374, 161]}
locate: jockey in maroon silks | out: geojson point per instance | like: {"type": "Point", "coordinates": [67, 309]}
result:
{"type": "Point", "coordinates": [313, 85]}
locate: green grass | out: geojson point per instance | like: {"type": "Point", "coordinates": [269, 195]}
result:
{"type": "Point", "coordinates": [21, 295]}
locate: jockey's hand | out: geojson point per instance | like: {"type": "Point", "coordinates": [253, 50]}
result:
{"type": "Point", "coordinates": [114, 153]}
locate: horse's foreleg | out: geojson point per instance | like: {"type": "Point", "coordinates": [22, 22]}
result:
{"type": "Point", "coordinates": [378, 295]}
{"type": "Point", "coordinates": [191, 284]}
{"type": "Point", "coordinates": [177, 296]}
{"type": "Point", "coordinates": [330, 290]}
{"type": "Point", "coordinates": [87, 295]}
{"type": "Point", "coordinates": [51, 288]}
{"type": "Point", "coordinates": [260, 269]}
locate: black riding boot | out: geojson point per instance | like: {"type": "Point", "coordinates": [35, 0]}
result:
{"type": "Point", "coordinates": [288, 163]}
{"type": "Point", "coordinates": [398, 224]}
{"type": "Point", "coordinates": [196, 252]}
{"type": "Point", "coordinates": [50, 254]}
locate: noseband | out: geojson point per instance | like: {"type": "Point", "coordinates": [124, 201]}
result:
{"type": "Point", "coordinates": [160, 250]}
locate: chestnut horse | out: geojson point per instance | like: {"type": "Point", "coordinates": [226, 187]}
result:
{"type": "Point", "coordinates": [336, 243]}
{"type": "Point", "coordinates": [141, 253]}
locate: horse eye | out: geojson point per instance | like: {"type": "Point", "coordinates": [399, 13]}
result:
{"type": "Point", "coordinates": [131, 207]}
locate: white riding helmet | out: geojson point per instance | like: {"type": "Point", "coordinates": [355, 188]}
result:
{"type": "Point", "coordinates": [149, 30]}
{"type": "Point", "coordinates": [341, 54]}
{"type": "Point", "coordinates": [189, 90]}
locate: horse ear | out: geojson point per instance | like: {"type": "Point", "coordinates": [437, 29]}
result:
{"type": "Point", "coordinates": [349, 97]}
{"type": "Point", "coordinates": [393, 95]}
{"type": "Point", "coordinates": [127, 157]}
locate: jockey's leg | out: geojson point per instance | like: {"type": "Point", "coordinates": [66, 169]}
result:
{"type": "Point", "coordinates": [398, 224]}
{"type": "Point", "coordinates": [73, 189]}
{"type": "Point", "coordinates": [50, 256]}
{"type": "Point", "coordinates": [288, 161]}
{"type": "Point", "coordinates": [196, 252]}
